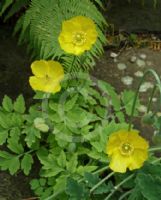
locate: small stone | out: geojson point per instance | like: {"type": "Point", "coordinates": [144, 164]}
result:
{"type": "Point", "coordinates": [133, 59]}
{"type": "Point", "coordinates": [121, 66]}
{"type": "Point", "coordinates": [143, 56]}
{"type": "Point", "coordinates": [140, 63]}
{"type": "Point", "coordinates": [158, 114]}
{"type": "Point", "coordinates": [127, 80]}
{"type": "Point", "coordinates": [145, 86]}
{"type": "Point", "coordinates": [113, 55]}
{"type": "Point", "coordinates": [154, 99]}
{"type": "Point", "coordinates": [139, 74]}
{"type": "Point", "coordinates": [142, 109]}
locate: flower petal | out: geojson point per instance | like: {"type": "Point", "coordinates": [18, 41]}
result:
{"type": "Point", "coordinates": [37, 83]}
{"type": "Point", "coordinates": [113, 143]}
{"type": "Point", "coordinates": [119, 163]}
{"type": "Point", "coordinates": [137, 141]}
{"type": "Point", "coordinates": [39, 68]}
{"type": "Point", "coordinates": [56, 71]}
{"type": "Point", "coordinates": [138, 158]}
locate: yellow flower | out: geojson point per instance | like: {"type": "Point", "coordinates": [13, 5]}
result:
{"type": "Point", "coordinates": [126, 149]}
{"type": "Point", "coordinates": [78, 35]}
{"type": "Point", "coordinates": [48, 75]}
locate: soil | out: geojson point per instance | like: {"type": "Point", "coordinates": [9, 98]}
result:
{"type": "Point", "coordinates": [14, 73]}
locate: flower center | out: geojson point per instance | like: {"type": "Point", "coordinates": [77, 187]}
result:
{"type": "Point", "coordinates": [126, 149]}
{"type": "Point", "coordinates": [79, 38]}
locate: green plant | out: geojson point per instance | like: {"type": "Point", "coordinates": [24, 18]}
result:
{"type": "Point", "coordinates": [67, 132]}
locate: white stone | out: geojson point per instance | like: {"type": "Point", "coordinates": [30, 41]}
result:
{"type": "Point", "coordinates": [133, 59]}
{"type": "Point", "coordinates": [121, 66]}
{"type": "Point", "coordinates": [142, 109]}
{"type": "Point", "coordinates": [145, 86]}
{"type": "Point", "coordinates": [154, 99]}
{"type": "Point", "coordinates": [140, 63]}
{"type": "Point", "coordinates": [127, 80]}
{"type": "Point", "coordinates": [113, 55]}
{"type": "Point", "coordinates": [139, 74]}
{"type": "Point", "coordinates": [143, 56]}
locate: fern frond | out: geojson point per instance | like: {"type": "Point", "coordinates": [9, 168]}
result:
{"type": "Point", "coordinates": [42, 25]}
{"type": "Point", "coordinates": [11, 7]}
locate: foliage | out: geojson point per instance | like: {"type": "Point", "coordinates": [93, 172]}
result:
{"type": "Point", "coordinates": [67, 133]}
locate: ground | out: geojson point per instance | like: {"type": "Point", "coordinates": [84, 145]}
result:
{"type": "Point", "coordinates": [119, 71]}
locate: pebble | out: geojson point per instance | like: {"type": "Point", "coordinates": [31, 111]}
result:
{"type": "Point", "coordinates": [139, 74]}
{"type": "Point", "coordinates": [145, 86]}
{"type": "Point", "coordinates": [127, 80]}
{"type": "Point", "coordinates": [154, 99]}
{"type": "Point", "coordinates": [142, 109]}
{"type": "Point", "coordinates": [133, 59]}
{"type": "Point", "coordinates": [140, 63]}
{"type": "Point", "coordinates": [143, 56]}
{"type": "Point", "coordinates": [121, 66]}
{"type": "Point", "coordinates": [113, 55]}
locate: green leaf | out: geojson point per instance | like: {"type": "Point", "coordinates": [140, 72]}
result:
{"type": "Point", "coordinates": [14, 146]}
{"type": "Point", "coordinates": [62, 159]}
{"type": "Point", "coordinates": [70, 104]}
{"type": "Point", "coordinates": [72, 164]}
{"type": "Point", "coordinates": [10, 162]}
{"type": "Point", "coordinates": [75, 190]}
{"type": "Point", "coordinates": [3, 136]}
{"type": "Point", "coordinates": [5, 120]}
{"type": "Point", "coordinates": [34, 184]}
{"type": "Point", "coordinates": [149, 186]}
{"type": "Point", "coordinates": [82, 169]}
{"type": "Point", "coordinates": [110, 91]}
{"type": "Point", "coordinates": [19, 104]}
{"type": "Point", "coordinates": [6, 4]}
{"type": "Point", "coordinates": [31, 135]}
{"type": "Point", "coordinates": [60, 183]}
{"type": "Point", "coordinates": [7, 104]}
{"type": "Point", "coordinates": [128, 99]}
{"type": "Point", "coordinates": [26, 163]}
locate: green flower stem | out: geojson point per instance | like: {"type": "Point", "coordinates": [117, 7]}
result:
{"type": "Point", "coordinates": [157, 160]}
{"type": "Point", "coordinates": [102, 181]}
{"type": "Point", "coordinates": [155, 149]}
{"type": "Point", "coordinates": [101, 170]}
{"type": "Point", "coordinates": [125, 195]}
{"type": "Point", "coordinates": [149, 71]}
{"type": "Point", "coordinates": [151, 98]}
{"type": "Point", "coordinates": [45, 105]}
{"type": "Point", "coordinates": [118, 186]}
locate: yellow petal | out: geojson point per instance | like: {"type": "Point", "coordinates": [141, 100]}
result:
{"type": "Point", "coordinates": [56, 71]}
{"type": "Point", "coordinates": [53, 88]}
{"type": "Point", "coordinates": [39, 68]}
{"type": "Point", "coordinates": [119, 163]}
{"type": "Point", "coordinates": [137, 141]}
{"type": "Point", "coordinates": [71, 25]}
{"type": "Point", "coordinates": [138, 158]}
{"type": "Point", "coordinates": [112, 144]}
{"type": "Point", "coordinates": [37, 83]}
{"type": "Point", "coordinates": [123, 134]}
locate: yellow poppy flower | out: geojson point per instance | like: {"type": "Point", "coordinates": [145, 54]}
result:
{"type": "Point", "coordinates": [48, 75]}
{"type": "Point", "coordinates": [126, 149]}
{"type": "Point", "coordinates": [78, 35]}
